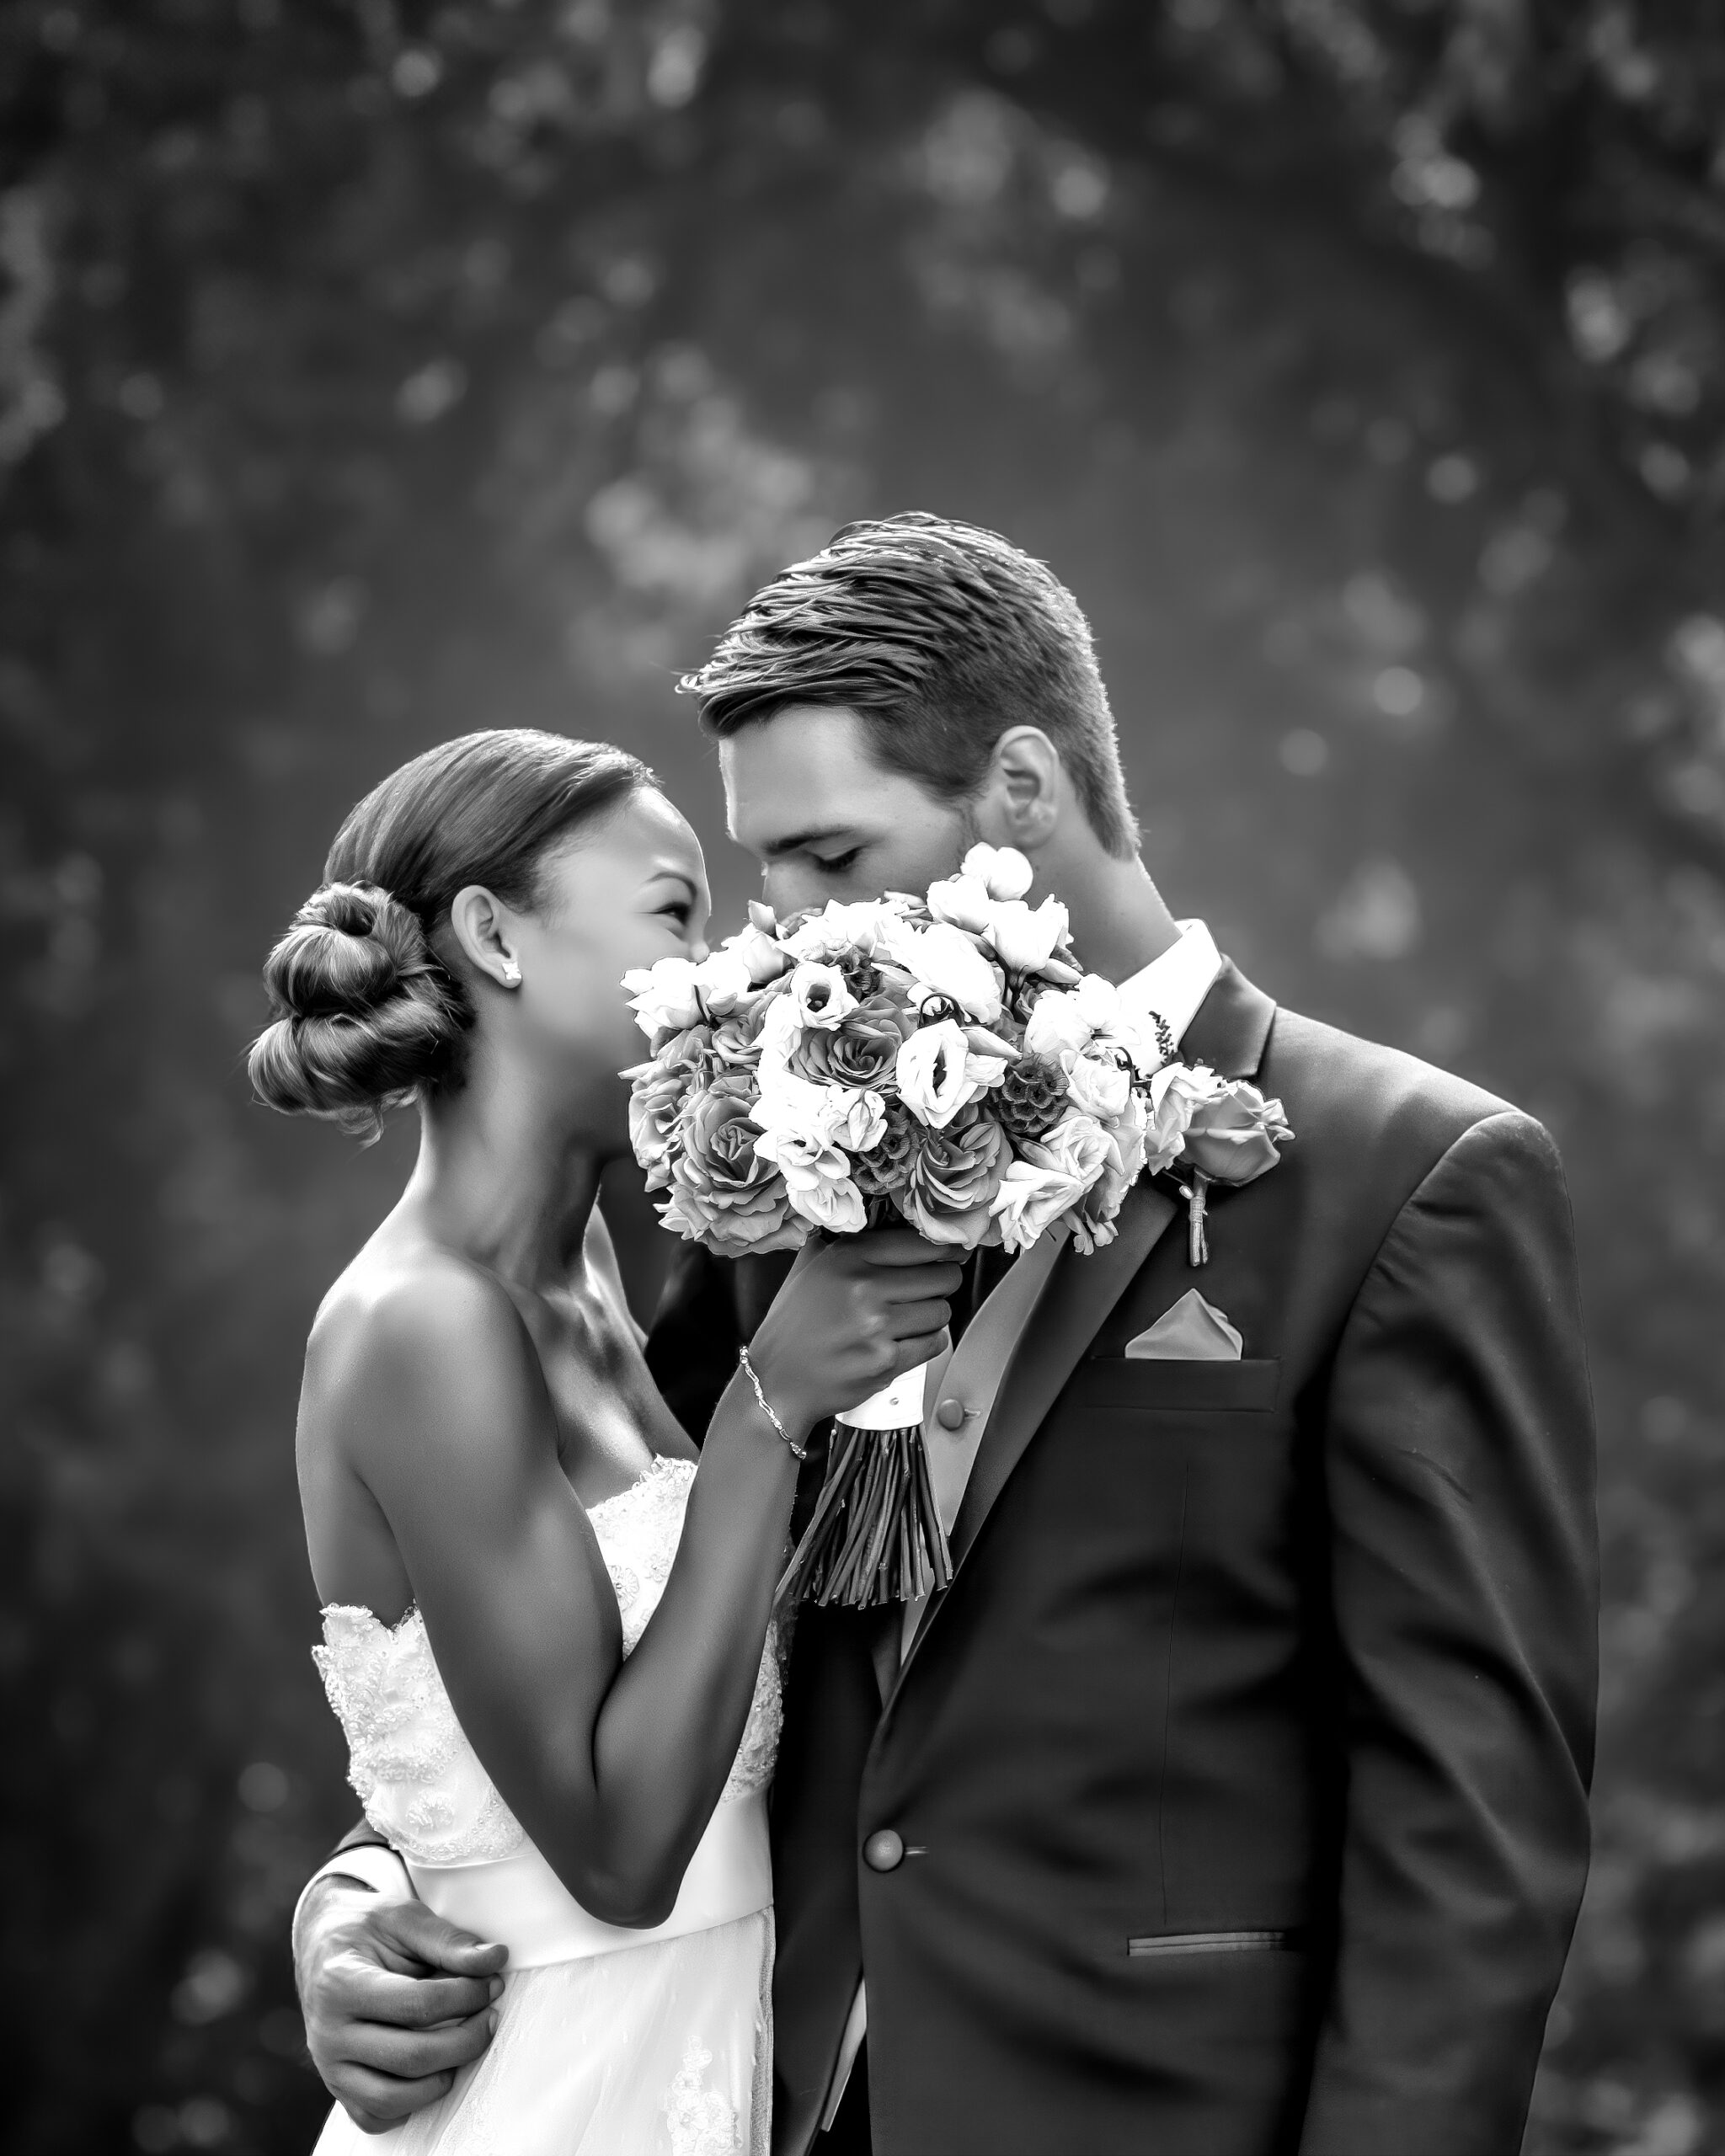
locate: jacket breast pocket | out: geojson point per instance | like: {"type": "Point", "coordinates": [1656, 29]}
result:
{"type": "Point", "coordinates": [1245, 1387]}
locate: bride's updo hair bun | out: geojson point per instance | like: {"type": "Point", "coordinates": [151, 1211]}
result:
{"type": "Point", "coordinates": [367, 1014]}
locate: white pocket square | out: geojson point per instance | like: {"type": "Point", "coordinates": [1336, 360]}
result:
{"type": "Point", "coordinates": [1193, 1331]}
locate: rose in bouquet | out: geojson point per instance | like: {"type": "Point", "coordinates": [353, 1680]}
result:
{"type": "Point", "coordinates": [943, 1060]}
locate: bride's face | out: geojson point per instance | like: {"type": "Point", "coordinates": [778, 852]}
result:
{"type": "Point", "coordinates": [627, 890]}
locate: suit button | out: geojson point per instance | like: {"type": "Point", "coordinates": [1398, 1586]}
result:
{"type": "Point", "coordinates": [884, 1851]}
{"type": "Point", "coordinates": [950, 1414]}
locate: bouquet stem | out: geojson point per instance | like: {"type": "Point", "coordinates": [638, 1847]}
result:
{"type": "Point", "coordinates": [875, 1535]}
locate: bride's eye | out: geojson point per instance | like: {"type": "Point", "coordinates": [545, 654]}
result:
{"type": "Point", "coordinates": [678, 910]}
{"type": "Point", "coordinates": [836, 864]}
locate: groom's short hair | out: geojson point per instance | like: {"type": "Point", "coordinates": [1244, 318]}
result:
{"type": "Point", "coordinates": [941, 636]}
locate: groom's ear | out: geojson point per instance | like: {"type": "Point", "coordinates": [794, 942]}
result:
{"type": "Point", "coordinates": [1022, 796]}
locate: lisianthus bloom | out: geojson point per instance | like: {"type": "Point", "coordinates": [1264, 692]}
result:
{"type": "Point", "coordinates": [723, 981]}
{"type": "Point", "coordinates": [1094, 1220]}
{"type": "Point", "coordinates": [807, 1131]}
{"type": "Point", "coordinates": [1053, 1174]}
{"type": "Point", "coordinates": [1057, 1026]}
{"type": "Point", "coordinates": [1027, 937]}
{"type": "Point", "coordinates": [951, 1178]}
{"type": "Point", "coordinates": [962, 902]}
{"type": "Point", "coordinates": [944, 963]}
{"type": "Point", "coordinates": [819, 994]}
{"type": "Point", "coordinates": [939, 1072]}
{"type": "Point", "coordinates": [761, 952]}
{"type": "Point", "coordinates": [841, 927]}
{"type": "Point", "coordinates": [722, 1191]}
{"type": "Point", "coordinates": [1002, 871]}
{"type": "Point", "coordinates": [861, 1049]}
{"type": "Point", "coordinates": [665, 997]}
{"type": "Point", "coordinates": [1233, 1135]}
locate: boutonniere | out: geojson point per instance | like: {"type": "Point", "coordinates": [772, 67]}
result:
{"type": "Point", "coordinates": [1207, 1129]}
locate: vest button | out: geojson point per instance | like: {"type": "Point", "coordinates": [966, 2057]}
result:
{"type": "Point", "coordinates": [884, 1851]}
{"type": "Point", "coordinates": [950, 1414]}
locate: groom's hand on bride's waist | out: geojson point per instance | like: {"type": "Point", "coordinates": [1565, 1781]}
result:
{"type": "Point", "coordinates": [395, 1999]}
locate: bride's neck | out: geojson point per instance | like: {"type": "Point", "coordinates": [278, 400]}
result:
{"type": "Point", "coordinates": [508, 1179]}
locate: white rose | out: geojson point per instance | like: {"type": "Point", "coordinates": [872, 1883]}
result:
{"type": "Point", "coordinates": [1077, 1145]}
{"type": "Point", "coordinates": [763, 954]}
{"type": "Point", "coordinates": [1056, 1025]}
{"type": "Point", "coordinates": [1096, 1083]}
{"type": "Point", "coordinates": [1025, 937]}
{"type": "Point", "coordinates": [1094, 1222]}
{"type": "Point", "coordinates": [819, 938]}
{"type": "Point", "coordinates": [1030, 1200]}
{"type": "Point", "coordinates": [1052, 1178]}
{"type": "Point", "coordinates": [1176, 1092]}
{"type": "Point", "coordinates": [1002, 869]}
{"type": "Point", "coordinates": [962, 900]}
{"type": "Point", "coordinates": [944, 962]}
{"type": "Point", "coordinates": [819, 994]}
{"type": "Point", "coordinates": [724, 980]}
{"type": "Point", "coordinates": [938, 1074]}
{"type": "Point", "coordinates": [665, 997]}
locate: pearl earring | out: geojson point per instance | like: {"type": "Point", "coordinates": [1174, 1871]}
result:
{"type": "Point", "coordinates": [511, 973]}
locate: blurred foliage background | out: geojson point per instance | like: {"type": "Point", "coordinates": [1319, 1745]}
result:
{"type": "Point", "coordinates": [371, 370]}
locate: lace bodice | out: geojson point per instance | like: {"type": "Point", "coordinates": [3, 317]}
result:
{"type": "Point", "coordinates": [419, 1780]}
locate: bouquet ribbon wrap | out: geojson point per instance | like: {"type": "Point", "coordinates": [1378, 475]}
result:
{"type": "Point", "coordinates": [875, 1535]}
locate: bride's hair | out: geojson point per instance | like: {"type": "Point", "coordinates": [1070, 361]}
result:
{"type": "Point", "coordinates": [367, 1015]}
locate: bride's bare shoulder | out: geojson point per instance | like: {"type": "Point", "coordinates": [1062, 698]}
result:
{"type": "Point", "coordinates": [414, 1321]}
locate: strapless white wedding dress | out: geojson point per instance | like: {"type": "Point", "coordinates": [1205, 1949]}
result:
{"type": "Point", "coordinates": [609, 2042]}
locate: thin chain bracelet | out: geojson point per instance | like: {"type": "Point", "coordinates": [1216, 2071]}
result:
{"type": "Point", "coordinates": [797, 1451]}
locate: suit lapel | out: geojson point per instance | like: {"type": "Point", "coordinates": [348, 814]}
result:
{"type": "Point", "coordinates": [1080, 1294]}
{"type": "Point", "coordinates": [1229, 1031]}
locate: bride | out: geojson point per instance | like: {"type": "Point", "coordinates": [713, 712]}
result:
{"type": "Point", "coordinates": [548, 1636]}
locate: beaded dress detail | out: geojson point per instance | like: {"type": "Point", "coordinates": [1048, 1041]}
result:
{"type": "Point", "coordinates": [410, 1763]}
{"type": "Point", "coordinates": [636, 2045]}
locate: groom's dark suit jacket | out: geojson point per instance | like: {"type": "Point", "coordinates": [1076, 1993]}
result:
{"type": "Point", "coordinates": [1242, 1771]}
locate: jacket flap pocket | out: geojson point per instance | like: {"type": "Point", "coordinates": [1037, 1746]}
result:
{"type": "Point", "coordinates": [1119, 1381]}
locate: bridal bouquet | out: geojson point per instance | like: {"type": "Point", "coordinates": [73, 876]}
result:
{"type": "Point", "coordinates": [941, 1060]}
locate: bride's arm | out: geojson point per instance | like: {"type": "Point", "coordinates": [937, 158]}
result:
{"type": "Point", "coordinates": [612, 1767]}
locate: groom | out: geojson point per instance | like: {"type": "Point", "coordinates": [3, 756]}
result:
{"type": "Point", "coordinates": [1232, 1801]}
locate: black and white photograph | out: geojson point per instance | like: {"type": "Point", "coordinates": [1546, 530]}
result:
{"type": "Point", "coordinates": [862, 1218]}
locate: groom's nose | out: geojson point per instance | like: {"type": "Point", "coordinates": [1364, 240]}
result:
{"type": "Point", "coordinates": [788, 888]}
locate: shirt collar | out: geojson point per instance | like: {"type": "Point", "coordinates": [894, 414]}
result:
{"type": "Point", "coordinates": [1174, 985]}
